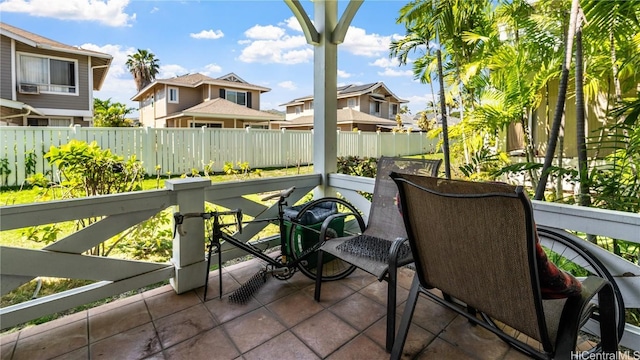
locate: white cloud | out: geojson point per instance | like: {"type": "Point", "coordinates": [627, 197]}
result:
{"type": "Point", "coordinates": [358, 42]}
{"type": "Point", "coordinates": [284, 50]}
{"type": "Point", "coordinates": [107, 12]}
{"type": "Point", "coordinates": [289, 85]}
{"type": "Point", "coordinates": [385, 62]}
{"type": "Point", "coordinates": [419, 103]}
{"type": "Point", "coordinates": [118, 85]}
{"type": "Point", "coordinates": [208, 34]}
{"type": "Point", "coordinates": [212, 69]}
{"type": "Point", "coordinates": [292, 23]}
{"type": "Point", "coordinates": [269, 32]}
{"type": "Point", "coordinates": [155, 9]}
{"type": "Point", "coordinates": [395, 73]}
{"type": "Point", "coordinates": [343, 74]}
{"type": "Point", "coordinates": [171, 70]}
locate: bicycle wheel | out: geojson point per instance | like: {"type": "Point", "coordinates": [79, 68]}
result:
{"type": "Point", "coordinates": [304, 236]}
{"type": "Point", "coordinates": [568, 253]}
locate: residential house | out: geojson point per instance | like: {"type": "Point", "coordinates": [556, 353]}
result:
{"type": "Point", "coordinates": [368, 107]}
{"type": "Point", "coordinates": [197, 100]}
{"type": "Point", "coordinates": [47, 83]}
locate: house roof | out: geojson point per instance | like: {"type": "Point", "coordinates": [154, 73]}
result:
{"type": "Point", "coordinates": [197, 79]}
{"type": "Point", "coordinates": [351, 90]}
{"type": "Point", "coordinates": [345, 116]}
{"type": "Point", "coordinates": [100, 61]}
{"type": "Point", "coordinates": [224, 109]}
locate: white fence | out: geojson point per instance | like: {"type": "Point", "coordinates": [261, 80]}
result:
{"type": "Point", "coordinates": [178, 151]}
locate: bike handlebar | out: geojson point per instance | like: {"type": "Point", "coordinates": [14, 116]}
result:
{"type": "Point", "coordinates": [282, 194]}
{"type": "Point", "coordinates": [179, 218]}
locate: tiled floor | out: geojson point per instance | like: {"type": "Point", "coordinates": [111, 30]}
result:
{"type": "Point", "coordinates": [282, 321]}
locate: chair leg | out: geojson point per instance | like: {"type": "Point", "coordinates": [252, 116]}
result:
{"type": "Point", "coordinates": [608, 328]}
{"type": "Point", "coordinates": [319, 267]}
{"type": "Point", "coordinates": [391, 306]}
{"type": "Point", "coordinates": [403, 330]}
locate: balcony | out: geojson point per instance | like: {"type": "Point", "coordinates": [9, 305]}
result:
{"type": "Point", "coordinates": [174, 322]}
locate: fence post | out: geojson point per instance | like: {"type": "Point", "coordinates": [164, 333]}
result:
{"type": "Point", "coordinates": [148, 160]}
{"type": "Point", "coordinates": [188, 255]}
{"type": "Point", "coordinates": [284, 145]}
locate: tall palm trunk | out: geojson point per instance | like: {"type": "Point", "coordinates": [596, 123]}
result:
{"type": "Point", "coordinates": [585, 199]}
{"type": "Point", "coordinates": [443, 113]}
{"type": "Point", "coordinates": [562, 96]}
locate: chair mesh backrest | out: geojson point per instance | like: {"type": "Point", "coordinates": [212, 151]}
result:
{"type": "Point", "coordinates": [385, 221]}
{"type": "Point", "coordinates": [476, 249]}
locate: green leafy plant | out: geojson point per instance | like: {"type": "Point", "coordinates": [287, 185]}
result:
{"type": "Point", "coordinates": [30, 161]}
{"type": "Point", "coordinates": [4, 171]}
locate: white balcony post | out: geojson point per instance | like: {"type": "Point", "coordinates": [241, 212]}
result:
{"type": "Point", "coordinates": [188, 255]}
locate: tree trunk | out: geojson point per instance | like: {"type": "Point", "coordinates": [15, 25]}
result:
{"type": "Point", "coordinates": [443, 113]}
{"type": "Point", "coordinates": [562, 96]}
{"type": "Point", "coordinates": [583, 171]}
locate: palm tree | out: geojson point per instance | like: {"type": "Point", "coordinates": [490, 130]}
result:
{"type": "Point", "coordinates": [144, 67]}
{"type": "Point", "coordinates": [562, 96]}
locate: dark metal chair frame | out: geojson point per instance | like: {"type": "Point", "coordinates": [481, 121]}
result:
{"type": "Point", "coordinates": [384, 224]}
{"type": "Point", "coordinates": [554, 323]}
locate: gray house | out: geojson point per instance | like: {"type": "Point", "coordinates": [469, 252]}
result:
{"type": "Point", "coordinates": [47, 83]}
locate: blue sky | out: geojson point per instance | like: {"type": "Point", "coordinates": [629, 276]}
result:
{"type": "Point", "coordinates": [260, 41]}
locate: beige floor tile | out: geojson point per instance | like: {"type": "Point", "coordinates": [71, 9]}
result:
{"type": "Point", "coordinates": [331, 292]}
{"type": "Point", "coordinates": [474, 340]}
{"type": "Point", "coordinates": [167, 303]}
{"type": "Point", "coordinates": [283, 346]}
{"type": "Point", "coordinates": [324, 333]}
{"type": "Point", "coordinates": [253, 329]}
{"type": "Point", "coordinates": [183, 324]}
{"type": "Point", "coordinates": [442, 350]}
{"type": "Point", "coordinates": [429, 315]}
{"type": "Point", "coordinates": [136, 343]}
{"type": "Point", "coordinates": [48, 344]}
{"type": "Point", "coordinates": [115, 304]}
{"type": "Point", "coordinates": [294, 308]}
{"type": "Point", "coordinates": [358, 280]}
{"type": "Point", "coordinates": [110, 322]}
{"type": "Point", "coordinates": [360, 348]}
{"type": "Point", "coordinates": [225, 310]}
{"type": "Point", "coordinates": [359, 311]}
{"type": "Point", "coordinates": [50, 325]}
{"type": "Point", "coordinates": [211, 344]}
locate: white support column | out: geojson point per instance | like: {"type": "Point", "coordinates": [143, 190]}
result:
{"type": "Point", "coordinates": [325, 35]}
{"type": "Point", "coordinates": [188, 255]}
{"type": "Point", "coordinates": [325, 79]}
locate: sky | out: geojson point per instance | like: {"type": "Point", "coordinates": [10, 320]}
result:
{"type": "Point", "coordinates": [260, 41]}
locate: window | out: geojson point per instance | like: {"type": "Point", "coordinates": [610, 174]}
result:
{"type": "Point", "coordinates": [48, 122]}
{"type": "Point", "coordinates": [50, 75]}
{"type": "Point", "coordinates": [310, 105]}
{"type": "Point", "coordinates": [298, 109]}
{"type": "Point", "coordinates": [393, 110]}
{"type": "Point", "coordinates": [215, 125]}
{"type": "Point", "coordinates": [238, 97]}
{"type": "Point", "coordinates": [173, 95]}
{"type": "Point", "coordinates": [374, 108]}
{"type": "Point", "coordinates": [353, 102]}
{"type": "Point", "coordinates": [258, 126]}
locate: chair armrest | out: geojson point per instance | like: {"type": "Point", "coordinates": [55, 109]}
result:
{"type": "Point", "coordinates": [570, 319]}
{"type": "Point", "coordinates": [394, 251]}
{"type": "Point", "coordinates": [327, 221]}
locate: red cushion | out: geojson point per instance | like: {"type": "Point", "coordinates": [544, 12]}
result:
{"type": "Point", "coordinates": [554, 283]}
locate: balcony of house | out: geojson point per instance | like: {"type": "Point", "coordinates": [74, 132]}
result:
{"type": "Point", "coordinates": [281, 320]}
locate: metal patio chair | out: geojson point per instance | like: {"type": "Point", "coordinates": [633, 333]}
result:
{"type": "Point", "coordinates": [479, 246]}
{"type": "Point", "coordinates": [381, 248]}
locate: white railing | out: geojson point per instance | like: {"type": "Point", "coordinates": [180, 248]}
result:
{"type": "Point", "coordinates": [178, 151]}
{"type": "Point", "coordinates": [114, 276]}
{"type": "Point", "coordinates": [66, 257]}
